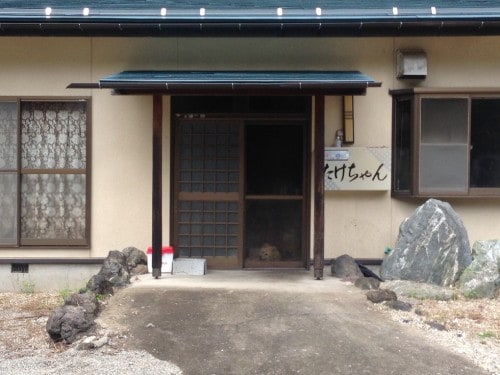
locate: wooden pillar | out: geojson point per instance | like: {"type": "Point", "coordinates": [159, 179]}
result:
{"type": "Point", "coordinates": [319, 186]}
{"type": "Point", "coordinates": [157, 186]}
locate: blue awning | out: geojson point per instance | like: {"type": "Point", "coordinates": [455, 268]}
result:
{"type": "Point", "coordinates": [236, 82]}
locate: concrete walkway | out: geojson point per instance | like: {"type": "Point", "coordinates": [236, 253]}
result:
{"type": "Point", "coordinates": [272, 322]}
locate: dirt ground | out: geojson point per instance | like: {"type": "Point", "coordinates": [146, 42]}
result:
{"type": "Point", "coordinates": [23, 317]}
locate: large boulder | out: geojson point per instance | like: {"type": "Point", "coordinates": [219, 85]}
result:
{"type": "Point", "coordinates": [69, 322]}
{"type": "Point", "coordinates": [482, 278]}
{"type": "Point", "coordinates": [115, 268]}
{"type": "Point", "coordinates": [432, 247]}
{"type": "Point", "coordinates": [421, 291]}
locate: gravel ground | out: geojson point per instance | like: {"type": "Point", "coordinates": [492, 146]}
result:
{"type": "Point", "coordinates": [25, 347]}
{"type": "Point", "coordinates": [86, 362]}
{"type": "Point", "coordinates": [470, 328]}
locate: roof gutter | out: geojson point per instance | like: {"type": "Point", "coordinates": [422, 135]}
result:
{"type": "Point", "coordinates": [191, 27]}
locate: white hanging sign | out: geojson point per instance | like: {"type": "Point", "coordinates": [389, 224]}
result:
{"type": "Point", "coordinates": [357, 168]}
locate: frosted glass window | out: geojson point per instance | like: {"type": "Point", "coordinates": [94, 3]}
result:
{"type": "Point", "coordinates": [443, 168]}
{"type": "Point", "coordinates": [445, 120]}
{"type": "Point", "coordinates": [444, 145]}
{"type": "Point", "coordinates": [54, 135]}
{"type": "Point", "coordinates": [8, 135]}
{"type": "Point", "coordinates": [8, 208]}
{"type": "Point", "coordinates": [53, 206]}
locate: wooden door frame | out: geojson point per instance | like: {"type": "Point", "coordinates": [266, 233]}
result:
{"type": "Point", "coordinates": [306, 205]}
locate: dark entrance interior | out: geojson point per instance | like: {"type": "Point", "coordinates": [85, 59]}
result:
{"type": "Point", "coordinates": [240, 197]}
{"type": "Point", "coordinates": [274, 193]}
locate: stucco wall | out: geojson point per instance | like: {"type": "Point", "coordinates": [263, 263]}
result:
{"type": "Point", "coordinates": [361, 224]}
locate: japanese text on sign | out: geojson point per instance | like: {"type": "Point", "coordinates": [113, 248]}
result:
{"type": "Point", "coordinates": [365, 169]}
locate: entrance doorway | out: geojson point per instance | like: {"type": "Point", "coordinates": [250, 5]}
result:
{"type": "Point", "coordinates": [240, 181]}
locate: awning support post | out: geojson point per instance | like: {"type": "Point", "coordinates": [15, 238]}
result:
{"type": "Point", "coordinates": [157, 185]}
{"type": "Point", "coordinates": [319, 186]}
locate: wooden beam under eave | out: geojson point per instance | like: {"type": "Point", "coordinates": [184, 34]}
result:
{"type": "Point", "coordinates": [157, 185]}
{"type": "Point", "coordinates": [319, 186]}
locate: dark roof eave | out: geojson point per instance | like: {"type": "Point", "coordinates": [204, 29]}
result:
{"type": "Point", "coordinates": [242, 28]}
{"type": "Point", "coordinates": [235, 83]}
{"type": "Point", "coordinates": [232, 89]}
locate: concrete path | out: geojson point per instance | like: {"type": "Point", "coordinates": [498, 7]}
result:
{"type": "Point", "coordinates": [272, 322]}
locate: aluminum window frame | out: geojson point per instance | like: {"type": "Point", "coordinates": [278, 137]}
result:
{"type": "Point", "coordinates": [87, 172]}
{"type": "Point", "coordinates": [416, 96]}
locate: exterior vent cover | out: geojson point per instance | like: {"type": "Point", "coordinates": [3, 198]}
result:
{"type": "Point", "coordinates": [19, 268]}
{"type": "Point", "coordinates": [411, 65]}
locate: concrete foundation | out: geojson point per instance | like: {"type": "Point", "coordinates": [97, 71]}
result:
{"type": "Point", "coordinates": [32, 278]}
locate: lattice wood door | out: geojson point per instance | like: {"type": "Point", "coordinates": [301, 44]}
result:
{"type": "Point", "coordinates": [207, 190]}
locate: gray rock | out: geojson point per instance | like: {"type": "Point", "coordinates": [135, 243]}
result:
{"type": "Point", "coordinates": [346, 267]}
{"type": "Point", "coordinates": [381, 295]}
{"type": "Point", "coordinates": [99, 285]}
{"type": "Point", "coordinates": [367, 283]}
{"type": "Point", "coordinates": [68, 323]}
{"type": "Point", "coordinates": [140, 269]}
{"type": "Point", "coordinates": [92, 342]}
{"type": "Point", "coordinates": [432, 247]}
{"type": "Point", "coordinates": [399, 305]}
{"type": "Point", "coordinates": [421, 291]}
{"type": "Point", "coordinates": [482, 278]}
{"type": "Point", "coordinates": [115, 269]}
{"type": "Point", "coordinates": [135, 257]}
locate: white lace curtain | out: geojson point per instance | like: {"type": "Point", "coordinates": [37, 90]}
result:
{"type": "Point", "coordinates": [53, 135]}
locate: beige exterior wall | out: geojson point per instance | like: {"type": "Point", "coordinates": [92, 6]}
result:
{"type": "Point", "coordinates": [361, 224]}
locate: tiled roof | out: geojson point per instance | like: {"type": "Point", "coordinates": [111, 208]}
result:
{"type": "Point", "coordinates": [249, 17]}
{"type": "Point", "coordinates": [249, 4]}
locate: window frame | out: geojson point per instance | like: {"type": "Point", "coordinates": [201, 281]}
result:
{"type": "Point", "coordinates": [416, 95]}
{"type": "Point", "coordinates": [20, 171]}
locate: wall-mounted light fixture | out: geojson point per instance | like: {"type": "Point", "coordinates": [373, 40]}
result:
{"type": "Point", "coordinates": [348, 116]}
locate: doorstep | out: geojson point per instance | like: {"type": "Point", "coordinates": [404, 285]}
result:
{"type": "Point", "coordinates": [189, 266]}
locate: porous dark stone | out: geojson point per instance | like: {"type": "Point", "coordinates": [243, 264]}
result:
{"type": "Point", "coordinates": [135, 257]}
{"type": "Point", "coordinates": [432, 247]}
{"type": "Point", "coordinates": [346, 267]}
{"type": "Point", "coordinates": [99, 284]}
{"type": "Point", "coordinates": [88, 301]}
{"type": "Point", "coordinates": [115, 269]}
{"type": "Point", "coordinates": [68, 323]}
{"type": "Point", "coordinates": [367, 283]}
{"type": "Point", "coordinates": [381, 295]}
